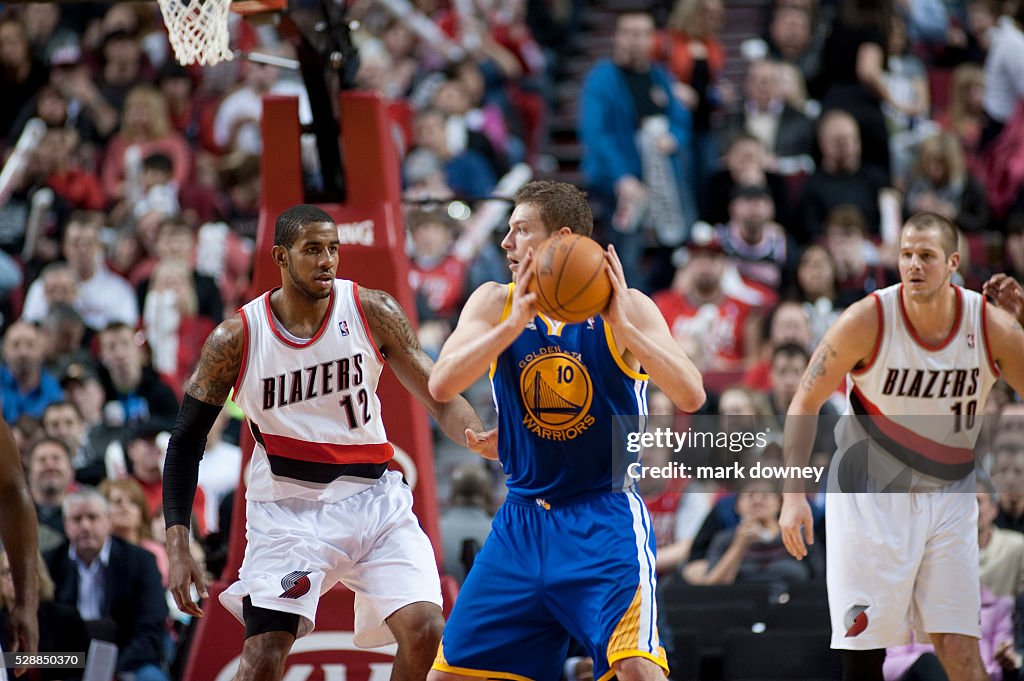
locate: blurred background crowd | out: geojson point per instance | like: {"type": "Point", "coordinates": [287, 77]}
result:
{"type": "Point", "coordinates": [751, 162]}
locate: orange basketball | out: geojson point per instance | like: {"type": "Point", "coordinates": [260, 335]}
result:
{"type": "Point", "coordinates": [569, 278]}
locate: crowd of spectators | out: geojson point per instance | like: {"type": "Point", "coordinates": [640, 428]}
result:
{"type": "Point", "coordinates": [753, 212]}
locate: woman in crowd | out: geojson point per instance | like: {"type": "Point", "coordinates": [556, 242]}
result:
{"type": "Point", "coordinates": [130, 520]}
{"type": "Point", "coordinates": [940, 183]}
{"type": "Point", "coordinates": [965, 116]}
{"type": "Point", "coordinates": [817, 285]}
{"type": "Point", "coordinates": [146, 125]}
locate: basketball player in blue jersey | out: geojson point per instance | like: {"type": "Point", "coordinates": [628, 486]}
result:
{"type": "Point", "coordinates": [918, 359]}
{"type": "Point", "coordinates": [568, 555]}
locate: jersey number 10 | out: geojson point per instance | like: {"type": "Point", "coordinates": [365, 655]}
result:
{"type": "Point", "coordinates": [958, 414]}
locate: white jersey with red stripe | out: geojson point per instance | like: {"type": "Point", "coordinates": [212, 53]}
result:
{"type": "Point", "coordinates": [312, 403]}
{"type": "Point", "coordinates": [919, 404]}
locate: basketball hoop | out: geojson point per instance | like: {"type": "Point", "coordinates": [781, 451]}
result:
{"type": "Point", "coordinates": [198, 29]}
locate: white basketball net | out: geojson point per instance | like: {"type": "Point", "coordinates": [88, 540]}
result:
{"type": "Point", "coordinates": [198, 30]}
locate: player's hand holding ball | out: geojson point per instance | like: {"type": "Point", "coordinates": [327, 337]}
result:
{"type": "Point", "coordinates": [524, 299]}
{"type": "Point", "coordinates": [569, 278]}
{"type": "Point", "coordinates": [617, 312]}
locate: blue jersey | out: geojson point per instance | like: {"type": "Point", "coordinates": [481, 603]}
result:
{"type": "Point", "coordinates": [557, 389]}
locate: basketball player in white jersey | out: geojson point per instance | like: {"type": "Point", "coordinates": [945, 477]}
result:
{"type": "Point", "coordinates": [304, 361]}
{"type": "Point", "coordinates": [920, 358]}
{"type": "Point", "coordinates": [18, 532]}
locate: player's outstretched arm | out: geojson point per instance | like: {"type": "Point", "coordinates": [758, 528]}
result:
{"type": "Point", "coordinates": [18, 528]}
{"type": "Point", "coordinates": [1006, 343]}
{"type": "Point", "coordinates": [639, 327]}
{"type": "Point", "coordinates": [1007, 293]}
{"type": "Point", "coordinates": [397, 341]}
{"type": "Point", "coordinates": [482, 335]}
{"type": "Point", "coordinates": [849, 343]}
{"type": "Point", "coordinates": [205, 394]}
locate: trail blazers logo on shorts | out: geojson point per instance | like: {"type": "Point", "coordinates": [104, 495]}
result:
{"type": "Point", "coordinates": [856, 620]}
{"type": "Point", "coordinates": [295, 584]}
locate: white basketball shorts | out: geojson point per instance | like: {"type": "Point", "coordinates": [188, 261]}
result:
{"type": "Point", "coordinates": [371, 542]}
{"type": "Point", "coordinates": [901, 560]}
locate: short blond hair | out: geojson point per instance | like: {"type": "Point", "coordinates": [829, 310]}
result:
{"type": "Point", "coordinates": [947, 230]}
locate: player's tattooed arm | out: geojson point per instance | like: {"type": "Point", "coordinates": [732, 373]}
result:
{"type": "Point", "coordinates": [849, 344]}
{"type": "Point", "coordinates": [819, 364]}
{"type": "Point", "coordinates": [393, 333]}
{"type": "Point", "coordinates": [219, 363]}
{"type": "Point", "coordinates": [391, 329]}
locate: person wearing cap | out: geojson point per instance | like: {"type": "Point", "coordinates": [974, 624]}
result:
{"type": "Point", "coordinates": [146, 445]}
{"type": "Point", "coordinates": [89, 112]}
{"type": "Point", "coordinates": [753, 239]}
{"type": "Point", "coordinates": [717, 327]}
{"type": "Point", "coordinates": [83, 390]}
{"type": "Point", "coordinates": [63, 338]}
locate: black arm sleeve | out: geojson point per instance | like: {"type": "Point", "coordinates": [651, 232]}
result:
{"type": "Point", "coordinates": [184, 452]}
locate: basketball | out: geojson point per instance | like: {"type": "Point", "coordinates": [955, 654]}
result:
{"type": "Point", "coordinates": [569, 278]}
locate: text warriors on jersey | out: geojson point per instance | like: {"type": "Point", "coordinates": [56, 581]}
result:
{"type": "Point", "coordinates": [557, 391]}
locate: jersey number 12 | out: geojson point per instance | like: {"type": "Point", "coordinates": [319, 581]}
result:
{"type": "Point", "coordinates": [350, 409]}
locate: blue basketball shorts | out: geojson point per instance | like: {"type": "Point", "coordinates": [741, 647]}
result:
{"type": "Point", "coordinates": [548, 572]}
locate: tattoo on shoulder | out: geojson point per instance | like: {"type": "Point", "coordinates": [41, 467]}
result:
{"type": "Point", "coordinates": [388, 322]}
{"type": "Point", "coordinates": [219, 363]}
{"type": "Point", "coordinates": [817, 368]}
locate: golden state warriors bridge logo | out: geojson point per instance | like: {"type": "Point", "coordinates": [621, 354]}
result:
{"type": "Point", "coordinates": [557, 392]}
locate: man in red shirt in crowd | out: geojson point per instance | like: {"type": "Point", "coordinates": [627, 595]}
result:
{"type": "Point", "coordinates": [712, 311]}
